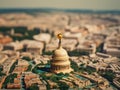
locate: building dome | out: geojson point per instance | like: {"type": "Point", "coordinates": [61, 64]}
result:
{"type": "Point", "coordinates": [60, 52]}
{"type": "Point", "coordinates": [60, 60]}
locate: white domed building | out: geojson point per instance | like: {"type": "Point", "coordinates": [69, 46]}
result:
{"type": "Point", "coordinates": [60, 60]}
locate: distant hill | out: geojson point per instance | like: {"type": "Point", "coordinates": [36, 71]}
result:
{"type": "Point", "coordinates": [57, 10]}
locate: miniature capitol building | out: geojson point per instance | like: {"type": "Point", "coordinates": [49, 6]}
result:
{"type": "Point", "coordinates": [60, 60]}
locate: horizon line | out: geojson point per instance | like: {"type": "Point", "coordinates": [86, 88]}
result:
{"type": "Point", "coordinates": [61, 9]}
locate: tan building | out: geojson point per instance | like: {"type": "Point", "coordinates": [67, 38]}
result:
{"type": "Point", "coordinates": [60, 60]}
{"type": "Point", "coordinates": [33, 46]}
{"type": "Point", "coordinates": [52, 45]}
{"type": "Point", "coordinates": [112, 45]}
{"type": "Point", "coordinates": [2, 79]}
{"type": "Point", "coordinates": [31, 78]}
{"type": "Point", "coordinates": [13, 46]}
{"type": "Point", "coordinates": [8, 63]}
{"type": "Point", "coordinates": [91, 49]}
{"type": "Point", "coordinates": [43, 37]}
{"type": "Point", "coordinates": [5, 39]}
{"type": "Point", "coordinates": [69, 44]}
{"type": "Point", "coordinates": [3, 57]}
{"type": "Point", "coordinates": [21, 66]}
{"type": "Point", "coordinates": [70, 35]}
{"type": "Point", "coordinates": [16, 84]}
{"type": "Point", "coordinates": [1, 47]}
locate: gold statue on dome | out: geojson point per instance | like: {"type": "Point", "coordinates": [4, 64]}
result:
{"type": "Point", "coordinates": [59, 37]}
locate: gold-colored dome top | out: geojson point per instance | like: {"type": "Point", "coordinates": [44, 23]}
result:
{"type": "Point", "coordinates": [59, 36]}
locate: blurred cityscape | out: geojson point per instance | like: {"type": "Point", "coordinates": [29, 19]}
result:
{"type": "Point", "coordinates": [28, 39]}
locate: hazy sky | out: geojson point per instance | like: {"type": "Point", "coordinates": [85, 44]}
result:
{"type": "Point", "coordinates": [67, 4]}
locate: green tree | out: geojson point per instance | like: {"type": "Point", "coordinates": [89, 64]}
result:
{"type": "Point", "coordinates": [13, 67]}
{"type": "Point", "coordinates": [77, 53]}
{"type": "Point", "coordinates": [9, 79]}
{"type": "Point", "coordinates": [26, 58]}
{"type": "Point", "coordinates": [2, 74]}
{"type": "Point", "coordinates": [74, 66]}
{"type": "Point", "coordinates": [63, 86]}
{"type": "Point", "coordinates": [109, 75]}
{"type": "Point", "coordinates": [29, 68]}
{"type": "Point", "coordinates": [33, 87]}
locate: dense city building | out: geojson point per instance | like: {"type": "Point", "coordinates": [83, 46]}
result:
{"type": "Point", "coordinates": [86, 57]}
